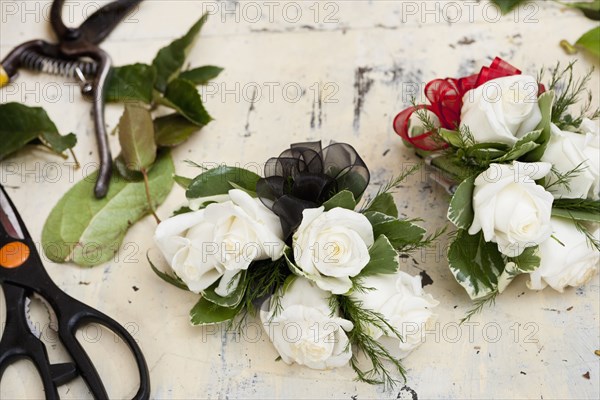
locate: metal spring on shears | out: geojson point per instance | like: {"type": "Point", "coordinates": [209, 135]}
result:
{"type": "Point", "coordinates": [34, 61]}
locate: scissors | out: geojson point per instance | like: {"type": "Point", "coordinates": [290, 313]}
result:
{"type": "Point", "coordinates": [76, 54]}
{"type": "Point", "coordinates": [21, 275]}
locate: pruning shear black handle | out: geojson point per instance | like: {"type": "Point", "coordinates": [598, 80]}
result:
{"type": "Point", "coordinates": [64, 58]}
{"type": "Point", "coordinates": [22, 274]}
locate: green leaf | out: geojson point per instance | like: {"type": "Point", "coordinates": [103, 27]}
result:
{"type": "Point", "coordinates": [529, 137]}
{"type": "Point", "coordinates": [576, 215]}
{"type": "Point", "coordinates": [384, 259]}
{"type": "Point", "coordinates": [448, 163]}
{"type": "Point", "coordinates": [201, 75]}
{"type": "Point", "coordinates": [401, 234]}
{"type": "Point", "coordinates": [89, 231]}
{"type": "Point", "coordinates": [460, 211]}
{"type": "Point", "coordinates": [182, 181]}
{"type": "Point", "coordinates": [385, 204]}
{"type": "Point", "coordinates": [58, 143]}
{"type": "Point", "coordinates": [590, 9]}
{"type": "Point", "coordinates": [207, 313]}
{"type": "Point", "coordinates": [231, 301]}
{"type": "Point", "coordinates": [452, 137]}
{"type": "Point", "coordinates": [287, 254]}
{"type": "Point", "coordinates": [484, 155]}
{"type": "Point", "coordinates": [125, 172]}
{"type": "Point", "coordinates": [344, 199]}
{"type": "Point", "coordinates": [170, 59]}
{"type": "Point", "coordinates": [20, 125]}
{"type": "Point", "coordinates": [182, 210]}
{"type": "Point", "coordinates": [590, 41]}
{"type": "Point", "coordinates": [507, 6]}
{"type": "Point", "coordinates": [136, 135]}
{"type": "Point", "coordinates": [545, 102]}
{"type": "Point", "coordinates": [183, 97]}
{"type": "Point", "coordinates": [475, 263]}
{"type": "Point", "coordinates": [527, 262]}
{"type": "Point", "coordinates": [218, 181]}
{"type": "Point", "coordinates": [130, 83]}
{"type": "Point", "coordinates": [173, 280]}
{"type": "Point", "coordinates": [523, 146]}
{"type": "Point", "coordinates": [251, 193]}
{"type": "Point", "coordinates": [172, 130]}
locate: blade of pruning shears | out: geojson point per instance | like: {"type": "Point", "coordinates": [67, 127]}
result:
{"type": "Point", "coordinates": [9, 220]}
{"type": "Point", "coordinates": [97, 26]}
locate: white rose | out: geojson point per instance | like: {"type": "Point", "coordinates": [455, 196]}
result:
{"type": "Point", "coordinates": [330, 247]}
{"type": "Point", "coordinates": [304, 331]}
{"type": "Point", "coordinates": [405, 306]}
{"type": "Point", "coordinates": [567, 259]}
{"type": "Point", "coordinates": [569, 150]}
{"type": "Point", "coordinates": [510, 208]}
{"type": "Point", "coordinates": [220, 241]}
{"type": "Point", "coordinates": [502, 110]}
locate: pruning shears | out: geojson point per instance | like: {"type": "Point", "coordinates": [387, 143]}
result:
{"type": "Point", "coordinates": [76, 55]}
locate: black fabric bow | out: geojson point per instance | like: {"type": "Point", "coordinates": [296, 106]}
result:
{"type": "Point", "coordinates": [306, 176]}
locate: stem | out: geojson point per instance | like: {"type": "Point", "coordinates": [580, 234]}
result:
{"type": "Point", "coordinates": [147, 186]}
{"type": "Point", "coordinates": [77, 165]}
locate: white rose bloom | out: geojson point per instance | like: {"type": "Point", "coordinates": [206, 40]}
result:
{"type": "Point", "coordinates": [502, 110]}
{"type": "Point", "coordinates": [510, 208]}
{"type": "Point", "coordinates": [330, 247]}
{"type": "Point", "coordinates": [303, 330]}
{"type": "Point", "coordinates": [405, 306]}
{"type": "Point", "coordinates": [572, 263]}
{"type": "Point", "coordinates": [569, 150]}
{"type": "Point", "coordinates": [220, 241]}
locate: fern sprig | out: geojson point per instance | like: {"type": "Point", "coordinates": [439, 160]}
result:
{"type": "Point", "coordinates": [425, 242]}
{"type": "Point", "coordinates": [563, 179]}
{"type": "Point", "coordinates": [591, 239]}
{"type": "Point", "coordinates": [265, 278]}
{"type": "Point", "coordinates": [488, 300]}
{"type": "Point", "coordinates": [569, 91]}
{"type": "Point", "coordinates": [360, 337]}
{"type": "Point", "coordinates": [390, 186]}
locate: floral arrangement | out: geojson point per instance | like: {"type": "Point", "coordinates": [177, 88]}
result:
{"type": "Point", "coordinates": [523, 173]}
{"type": "Point", "coordinates": [292, 248]}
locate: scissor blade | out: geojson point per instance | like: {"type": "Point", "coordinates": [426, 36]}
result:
{"type": "Point", "coordinates": [8, 218]}
{"type": "Point", "coordinates": [101, 23]}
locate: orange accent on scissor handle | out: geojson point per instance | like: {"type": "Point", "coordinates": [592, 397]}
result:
{"type": "Point", "coordinates": [14, 254]}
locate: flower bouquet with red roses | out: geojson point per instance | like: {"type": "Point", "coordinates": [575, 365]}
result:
{"type": "Point", "coordinates": [523, 172]}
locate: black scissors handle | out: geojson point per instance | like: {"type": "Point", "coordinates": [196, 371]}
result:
{"type": "Point", "coordinates": [72, 315]}
{"type": "Point", "coordinates": [18, 343]}
{"type": "Point", "coordinates": [21, 274]}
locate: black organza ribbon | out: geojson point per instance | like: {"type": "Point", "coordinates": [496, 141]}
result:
{"type": "Point", "coordinates": [306, 176]}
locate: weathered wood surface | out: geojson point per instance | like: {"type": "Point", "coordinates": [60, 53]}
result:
{"type": "Point", "coordinates": [338, 72]}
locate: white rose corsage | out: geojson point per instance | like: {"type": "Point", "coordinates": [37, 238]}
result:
{"type": "Point", "coordinates": [295, 249]}
{"type": "Point", "coordinates": [523, 172]}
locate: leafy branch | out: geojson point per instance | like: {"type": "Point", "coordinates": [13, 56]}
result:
{"type": "Point", "coordinates": [564, 179]}
{"type": "Point", "coordinates": [569, 92]}
{"type": "Point", "coordinates": [488, 300]}
{"type": "Point", "coordinates": [427, 241]}
{"type": "Point", "coordinates": [360, 336]}
{"type": "Point", "coordinates": [264, 278]}
{"type": "Point", "coordinates": [591, 239]}
{"type": "Point", "coordinates": [390, 186]}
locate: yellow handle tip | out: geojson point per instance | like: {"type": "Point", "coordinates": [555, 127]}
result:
{"type": "Point", "coordinates": [4, 78]}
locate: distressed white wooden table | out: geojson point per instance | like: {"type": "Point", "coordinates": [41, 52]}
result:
{"type": "Point", "coordinates": [296, 71]}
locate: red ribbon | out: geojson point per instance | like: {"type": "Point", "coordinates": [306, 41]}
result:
{"type": "Point", "coordinates": [445, 96]}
